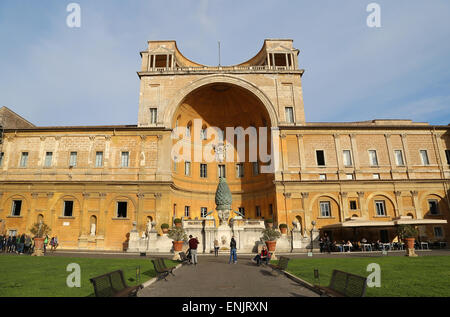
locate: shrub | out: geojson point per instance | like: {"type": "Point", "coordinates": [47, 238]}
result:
{"type": "Point", "coordinates": [177, 234]}
{"type": "Point", "coordinates": [283, 225]}
{"type": "Point", "coordinates": [40, 230]}
{"type": "Point", "coordinates": [269, 221]}
{"type": "Point", "coordinates": [270, 234]}
{"type": "Point", "coordinates": [407, 231]}
{"type": "Point", "coordinates": [177, 220]}
{"type": "Point", "coordinates": [164, 226]}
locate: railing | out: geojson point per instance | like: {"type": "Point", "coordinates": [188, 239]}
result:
{"type": "Point", "coordinates": [221, 69]}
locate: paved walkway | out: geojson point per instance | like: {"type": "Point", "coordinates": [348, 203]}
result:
{"type": "Point", "coordinates": [214, 277]}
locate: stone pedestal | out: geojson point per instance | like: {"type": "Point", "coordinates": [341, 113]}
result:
{"type": "Point", "coordinates": [133, 241]}
{"type": "Point", "coordinates": [410, 252]}
{"type": "Point", "coordinates": [283, 244]}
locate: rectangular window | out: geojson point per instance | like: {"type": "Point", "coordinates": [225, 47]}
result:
{"type": "Point", "coordinates": [424, 156]}
{"type": "Point", "coordinates": [433, 206]}
{"type": "Point", "coordinates": [289, 114]}
{"type": "Point", "coordinates": [153, 115]}
{"type": "Point", "coordinates": [353, 204]}
{"type": "Point", "coordinates": [255, 168]}
{"type": "Point", "coordinates": [270, 209]}
{"type": "Point", "coordinates": [187, 168]}
{"type": "Point", "coordinates": [323, 177]}
{"type": "Point", "coordinates": [98, 159]}
{"type": "Point", "coordinates": [203, 212]}
{"type": "Point", "coordinates": [1, 158]}
{"type": "Point", "coordinates": [380, 208]}
{"type": "Point", "coordinates": [438, 232]}
{"type": "Point", "coordinates": [16, 207]}
{"type": "Point", "coordinates": [349, 176]}
{"type": "Point", "coordinates": [68, 208]}
{"type": "Point", "coordinates": [376, 176]}
{"type": "Point", "coordinates": [325, 210]}
{"type": "Point", "coordinates": [258, 211]}
{"type": "Point", "coordinates": [203, 170]}
{"type": "Point", "coordinates": [447, 155]}
{"type": "Point", "coordinates": [242, 211]}
{"type": "Point", "coordinates": [399, 158]}
{"type": "Point", "coordinates": [48, 159]}
{"type": "Point", "coordinates": [320, 156]}
{"type": "Point", "coordinates": [240, 170]}
{"type": "Point", "coordinates": [122, 209]}
{"type": "Point", "coordinates": [24, 159]}
{"type": "Point", "coordinates": [73, 159]}
{"type": "Point", "coordinates": [222, 171]}
{"type": "Point", "coordinates": [373, 158]}
{"type": "Point", "coordinates": [125, 159]}
{"type": "Point", "coordinates": [187, 211]}
{"type": "Point", "coordinates": [347, 158]}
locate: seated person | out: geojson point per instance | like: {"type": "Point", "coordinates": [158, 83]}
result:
{"type": "Point", "coordinates": [337, 246]}
{"type": "Point", "coordinates": [264, 256]}
{"type": "Point", "coordinates": [349, 245]}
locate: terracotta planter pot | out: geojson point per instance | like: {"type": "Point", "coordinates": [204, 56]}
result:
{"type": "Point", "coordinates": [178, 224]}
{"type": "Point", "coordinates": [271, 245]}
{"type": "Point", "coordinates": [39, 243]}
{"type": "Point", "coordinates": [165, 230]}
{"type": "Point", "coordinates": [269, 224]}
{"type": "Point", "coordinates": [283, 230]}
{"type": "Point", "coordinates": [177, 245]}
{"type": "Point", "coordinates": [409, 243]}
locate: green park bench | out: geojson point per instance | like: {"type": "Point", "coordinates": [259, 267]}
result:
{"type": "Point", "coordinates": [113, 285]}
{"type": "Point", "coordinates": [343, 284]}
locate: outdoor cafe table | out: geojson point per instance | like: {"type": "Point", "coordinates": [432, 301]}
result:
{"type": "Point", "coordinates": [422, 244]}
{"type": "Point", "coordinates": [386, 246]}
{"type": "Point", "coordinates": [442, 244]}
{"type": "Point", "coordinates": [367, 247]}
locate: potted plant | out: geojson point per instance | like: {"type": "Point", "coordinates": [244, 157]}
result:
{"type": "Point", "coordinates": [269, 223]}
{"type": "Point", "coordinates": [270, 237]}
{"type": "Point", "coordinates": [408, 234]}
{"type": "Point", "coordinates": [178, 235]}
{"type": "Point", "coordinates": [165, 228]}
{"type": "Point", "coordinates": [177, 222]}
{"type": "Point", "coordinates": [39, 230]}
{"type": "Point", "coordinates": [283, 228]}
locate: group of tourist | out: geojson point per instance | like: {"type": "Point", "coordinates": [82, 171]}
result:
{"type": "Point", "coordinates": [193, 244]}
{"type": "Point", "coordinates": [327, 245]}
{"type": "Point", "coordinates": [24, 244]}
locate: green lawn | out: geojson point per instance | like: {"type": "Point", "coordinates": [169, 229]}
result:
{"type": "Point", "coordinates": [46, 276]}
{"type": "Point", "coordinates": [400, 276]}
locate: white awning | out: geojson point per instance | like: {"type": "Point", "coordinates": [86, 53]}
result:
{"type": "Point", "coordinates": [370, 223]}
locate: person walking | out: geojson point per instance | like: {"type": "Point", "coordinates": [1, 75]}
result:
{"type": "Point", "coordinates": [233, 254]}
{"type": "Point", "coordinates": [216, 247]}
{"type": "Point", "coordinates": [45, 243]}
{"type": "Point", "coordinates": [193, 243]}
{"type": "Point", "coordinates": [27, 245]}
{"type": "Point", "coordinates": [21, 243]}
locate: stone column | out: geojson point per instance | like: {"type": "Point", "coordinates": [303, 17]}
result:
{"type": "Point", "coordinates": [417, 207]}
{"type": "Point", "coordinates": [56, 151]}
{"type": "Point", "coordinates": [91, 146]}
{"type": "Point", "coordinates": [406, 156]}
{"type": "Point", "coordinates": [84, 230]}
{"type": "Point", "coordinates": [102, 215]}
{"type": "Point", "coordinates": [344, 206]}
{"type": "Point", "coordinates": [340, 163]}
{"type": "Point", "coordinates": [390, 153]}
{"type": "Point", "coordinates": [283, 153]}
{"type": "Point", "coordinates": [355, 155]}
{"type": "Point", "coordinates": [305, 205]}
{"type": "Point", "coordinates": [301, 151]}
{"type": "Point", "coordinates": [362, 205]}
{"type": "Point", "coordinates": [139, 209]}
{"type": "Point", "coordinates": [398, 199]}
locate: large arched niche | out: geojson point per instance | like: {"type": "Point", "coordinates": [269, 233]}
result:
{"type": "Point", "coordinates": [221, 104]}
{"type": "Point", "coordinates": [170, 115]}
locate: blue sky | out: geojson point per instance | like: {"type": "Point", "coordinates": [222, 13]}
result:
{"type": "Point", "coordinates": [55, 75]}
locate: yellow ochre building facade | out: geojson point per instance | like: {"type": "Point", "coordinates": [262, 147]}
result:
{"type": "Point", "coordinates": [93, 184]}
